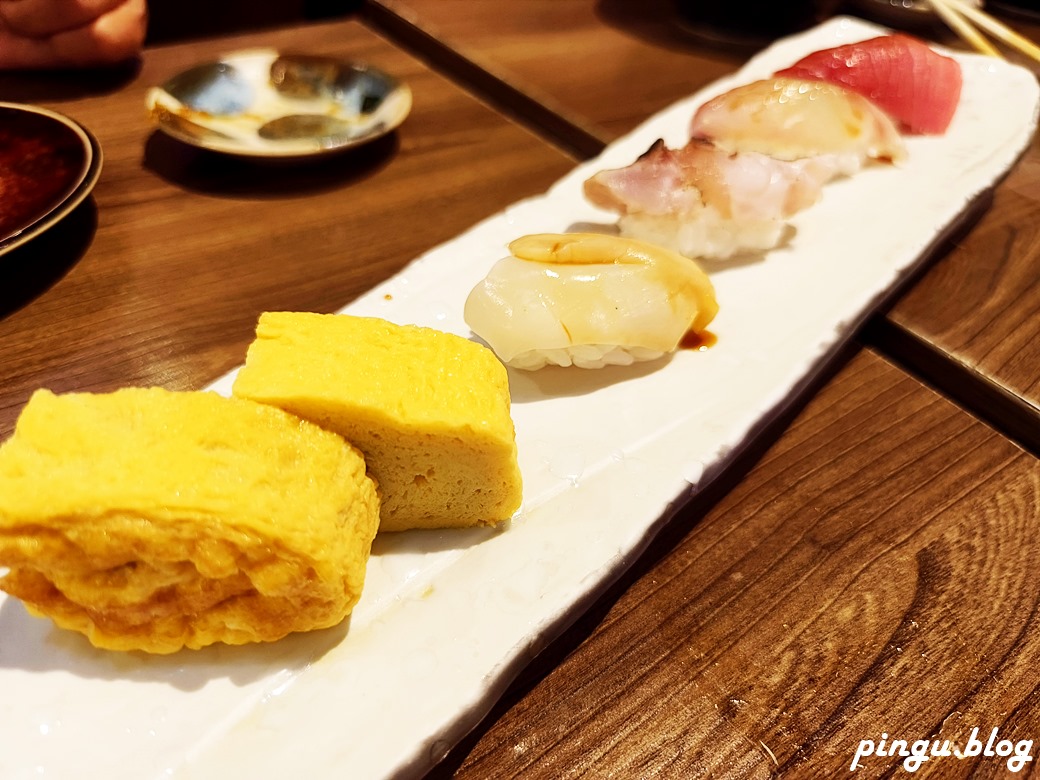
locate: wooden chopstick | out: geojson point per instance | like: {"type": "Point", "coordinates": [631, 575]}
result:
{"type": "Point", "coordinates": [950, 15]}
{"type": "Point", "coordinates": [997, 29]}
{"type": "Point", "coordinates": [959, 16]}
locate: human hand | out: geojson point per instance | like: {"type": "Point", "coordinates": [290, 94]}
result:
{"type": "Point", "coordinates": [67, 33]}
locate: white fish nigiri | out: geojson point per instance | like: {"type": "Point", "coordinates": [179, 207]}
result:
{"type": "Point", "coordinates": [703, 201]}
{"type": "Point", "coordinates": [588, 300]}
{"type": "Point", "coordinates": [792, 119]}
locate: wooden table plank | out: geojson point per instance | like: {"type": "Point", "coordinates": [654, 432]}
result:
{"type": "Point", "coordinates": [980, 307]}
{"type": "Point", "coordinates": [872, 573]}
{"type": "Point", "coordinates": [633, 60]}
{"type": "Point", "coordinates": [160, 278]}
{"type": "Point", "coordinates": [976, 309]}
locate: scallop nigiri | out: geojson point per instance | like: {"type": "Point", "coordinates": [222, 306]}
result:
{"type": "Point", "coordinates": [791, 119]}
{"type": "Point", "coordinates": [588, 300]}
{"type": "Point", "coordinates": [915, 85]}
{"type": "Point", "coordinates": [703, 201]}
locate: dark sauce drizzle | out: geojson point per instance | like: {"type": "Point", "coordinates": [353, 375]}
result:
{"type": "Point", "coordinates": [698, 341]}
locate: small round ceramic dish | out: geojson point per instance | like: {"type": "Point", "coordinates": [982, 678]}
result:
{"type": "Point", "coordinates": [48, 165]}
{"type": "Point", "coordinates": [262, 103]}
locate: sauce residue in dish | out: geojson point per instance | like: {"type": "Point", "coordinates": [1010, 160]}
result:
{"type": "Point", "coordinates": [42, 161]}
{"type": "Point", "coordinates": [699, 342]}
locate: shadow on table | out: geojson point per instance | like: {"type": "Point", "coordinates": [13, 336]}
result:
{"type": "Point", "coordinates": [659, 22]}
{"type": "Point", "coordinates": [204, 171]}
{"type": "Point", "coordinates": [31, 269]}
{"type": "Point", "coordinates": [662, 23]}
{"type": "Point", "coordinates": [47, 86]}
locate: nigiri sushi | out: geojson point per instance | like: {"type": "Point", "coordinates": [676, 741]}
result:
{"type": "Point", "coordinates": [791, 119]}
{"type": "Point", "coordinates": [703, 201]}
{"type": "Point", "coordinates": [915, 85]}
{"type": "Point", "coordinates": [588, 300]}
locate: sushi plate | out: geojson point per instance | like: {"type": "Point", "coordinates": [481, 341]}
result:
{"type": "Point", "coordinates": [447, 618]}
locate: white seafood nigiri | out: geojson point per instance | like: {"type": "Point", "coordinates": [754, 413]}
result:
{"type": "Point", "coordinates": [703, 201]}
{"type": "Point", "coordinates": [792, 119]}
{"type": "Point", "coordinates": [588, 300]}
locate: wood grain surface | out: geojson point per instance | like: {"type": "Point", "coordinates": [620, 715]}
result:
{"type": "Point", "coordinates": [979, 308]}
{"type": "Point", "coordinates": [160, 277]}
{"type": "Point", "coordinates": [873, 573]}
{"type": "Point", "coordinates": [607, 65]}
{"type": "Point", "coordinates": [869, 568]}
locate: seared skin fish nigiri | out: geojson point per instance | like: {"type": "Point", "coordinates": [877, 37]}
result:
{"type": "Point", "coordinates": [792, 119]}
{"type": "Point", "coordinates": [703, 201]}
{"type": "Point", "coordinates": [588, 300]}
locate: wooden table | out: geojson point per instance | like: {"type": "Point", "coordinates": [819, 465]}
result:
{"type": "Point", "coordinates": [868, 566]}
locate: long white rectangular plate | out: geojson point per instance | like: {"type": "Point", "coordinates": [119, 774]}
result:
{"type": "Point", "coordinates": [448, 617]}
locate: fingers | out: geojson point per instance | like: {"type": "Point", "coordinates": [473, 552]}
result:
{"type": "Point", "coordinates": [112, 37]}
{"type": "Point", "coordinates": [44, 18]}
{"type": "Point", "coordinates": [19, 52]}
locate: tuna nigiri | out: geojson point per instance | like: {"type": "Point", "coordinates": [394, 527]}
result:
{"type": "Point", "coordinates": [588, 300]}
{"type": "Point", "coordinates": [791, 119]}
{"type": "Point", "coordinates": [916, 86]}
{"type": "Point", "coordinates": [703, 201]}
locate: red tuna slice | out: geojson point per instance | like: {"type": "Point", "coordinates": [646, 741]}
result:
{"type": "Point", "coordinates": [914, 85]}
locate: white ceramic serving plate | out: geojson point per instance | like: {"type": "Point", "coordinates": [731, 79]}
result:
{"type": "Point", "coordinates": [448, 617]}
